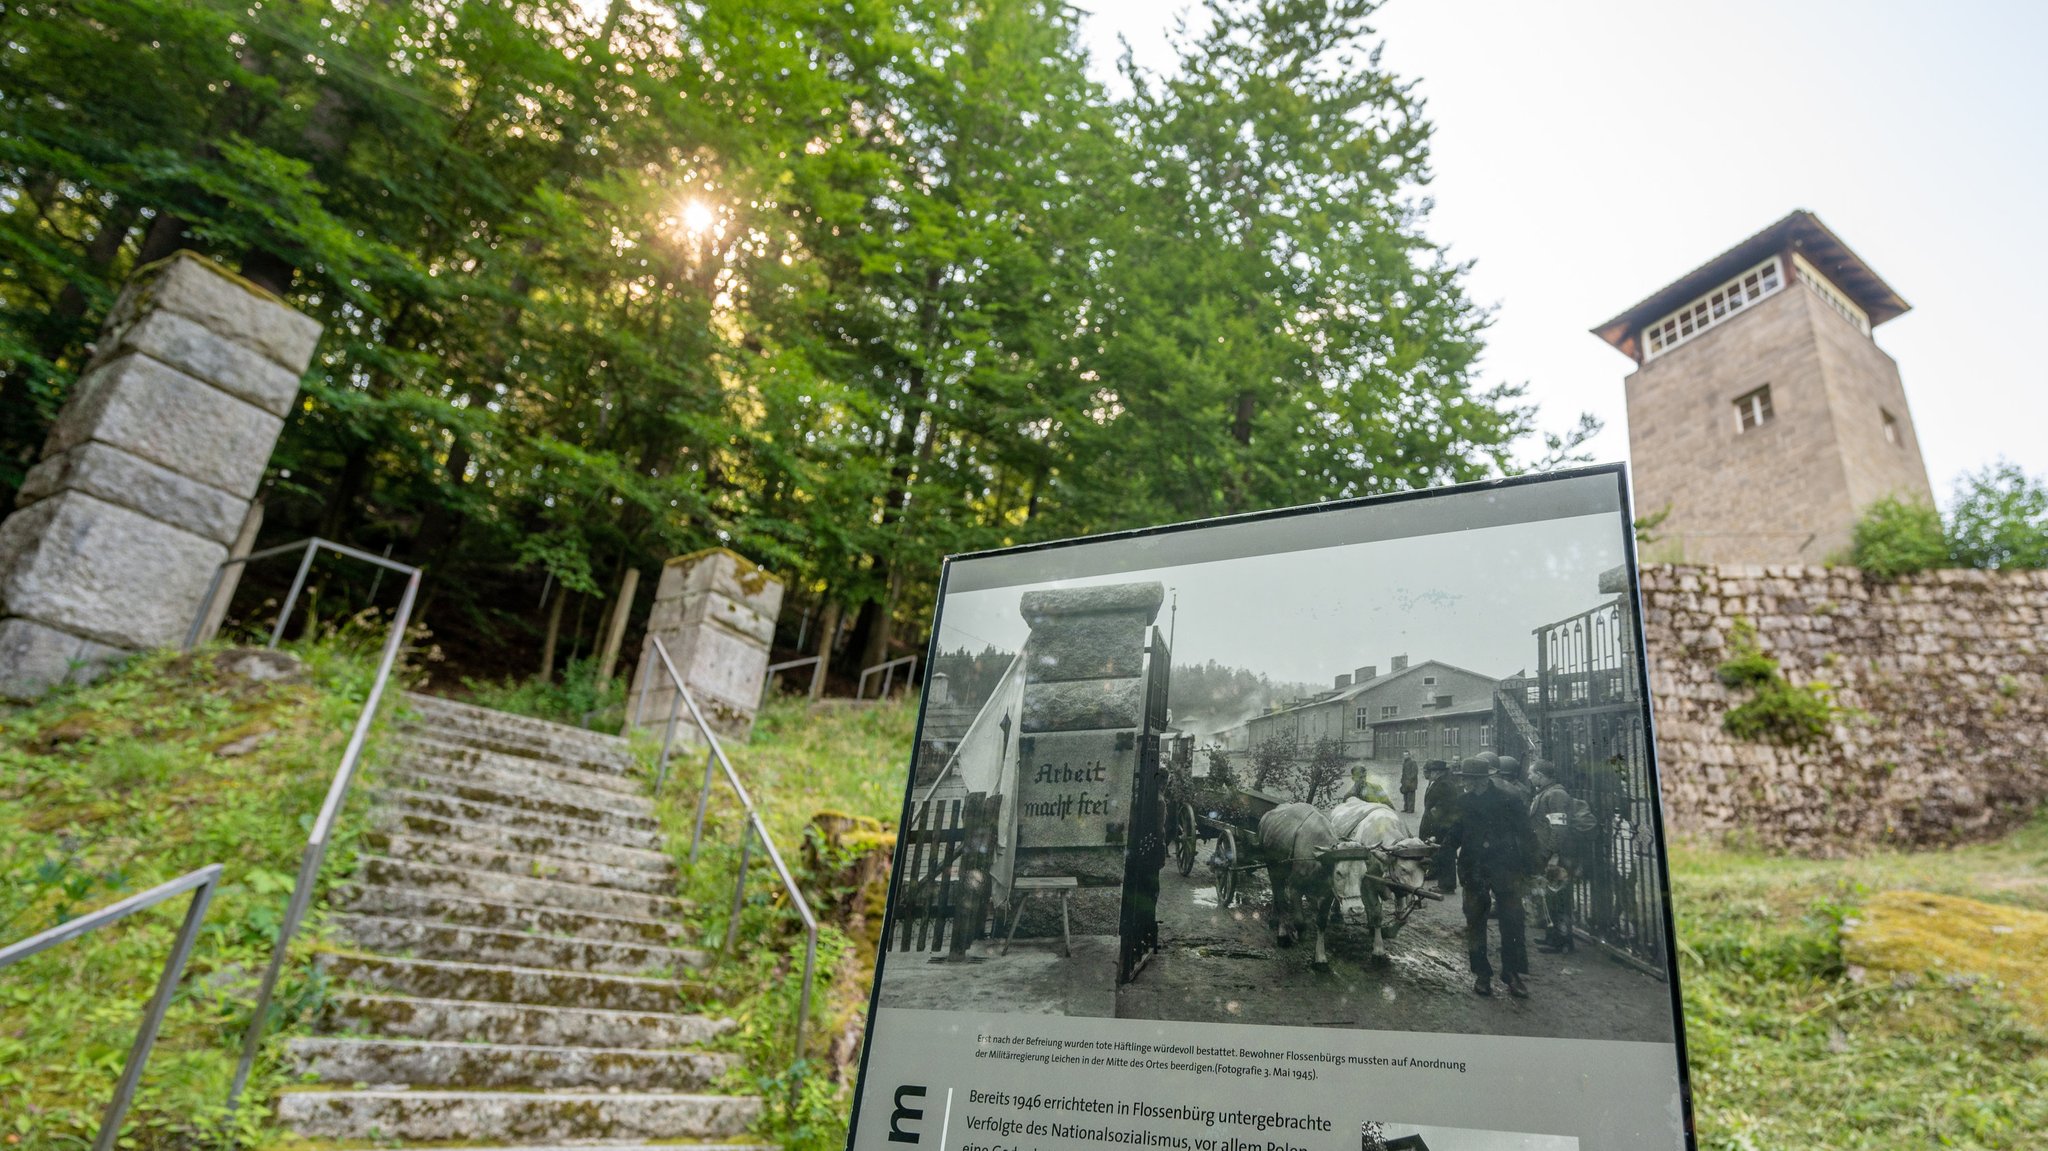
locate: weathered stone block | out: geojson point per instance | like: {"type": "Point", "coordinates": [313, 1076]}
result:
{"type": "Point", "coordinates": [711, 608]}
{"type": "Point", "coordinates": [135, 483]}
{"type": "Point", "coordinates": [35, 658]}
{"type": "Point", "coordinates": [1083, 704]}
{"type": "Point", "coordinates": [1126, 598]}
{"type": "Point", "coordinates": [714, 611]}
{"type": "Point", "coordinates": [197, 351]}
{"type": "Point", "coordinates": [171, 419]}
{"type": "Point", "coordinates": [726, 572]}
{"type": "Point", "coordinates": [104, 572]}
{"type": "Point", "coordinates": [1074, 788]}
{"type": "Point", "coordinates": [1110, 646]}
{"type": "Point", "coordinates": [189, 285]}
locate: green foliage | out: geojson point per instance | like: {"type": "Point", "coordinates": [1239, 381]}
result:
{"type": "Point", "coordinates": [1999, 519]}
{"type": "Point", "coordinates": [579, 698]}
{"type": "Point", "coordinates": [844, 287]}
{"type": "Point", "coordinates": [1778, 710]}
{"type": "Point", "coordinates": [1898, 537]}
{"type": "Point", "coordinates": [1787, 1050]}
{"type": "Point", "coordinates": [105, 790]}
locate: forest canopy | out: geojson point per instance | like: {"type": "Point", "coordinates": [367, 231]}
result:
{"type": "Point", "coordinates": [843, 286]}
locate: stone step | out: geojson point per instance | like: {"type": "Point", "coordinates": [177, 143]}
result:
{"type": "Point", "coordinates": [524, 776]}
{"type": "Point", "coordinates": [533, 795]}
{"type": "Point", "coordinates": [497, 836]}
{"type": "Point", "coordinates": [513, 1116]}
{"type": "Point", "coordinates": [424, 745]}
{"type": "Point", "coordinates": [465, 911]}
{"type": "Point", "coordinates": [480, 727]}
{"type": "Point", "coordinates": [499, 983]}
{"type": "Point", "coordinates": [479, 945]}
{"type": "Point", "coordinates": [426, 1063]}
{"type": "Point", "coordinates": [484, 858]}
{"type": "Point", "coordinates": [527, 1024]}
{"type": "Point", "coordinates": [499, 886]}
{"type": "Point", "coordinates": [537, 795]}
{"type": "Point", "coordinates": [611, 829]}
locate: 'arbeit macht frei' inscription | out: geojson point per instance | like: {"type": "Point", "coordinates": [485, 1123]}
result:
{"type": "Point", "coordinates": [1075, 788]}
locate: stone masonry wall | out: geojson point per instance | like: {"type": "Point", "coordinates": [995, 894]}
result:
{"type": "Point", "coordinates": [1942, 679]}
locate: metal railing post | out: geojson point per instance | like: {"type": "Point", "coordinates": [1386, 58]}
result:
{"type": "Point", "coordinates": [292, 597]}
{"type": "Point", "coordinates": [703, 801]}
{"type": "Point", "coordinates": [739, 888]}
{"type": "Point", "coordinates": [668, 735]}
{"type": "Point", "coordinates": [220, 571]}
{"type": "Point", "coordinates": [316, 843]}
{"type": "Point", "coordinates": [202, 884]}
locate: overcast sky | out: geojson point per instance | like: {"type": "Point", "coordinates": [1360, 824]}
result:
{"type": "Point", "coordinates": [1468, 598]}
{"type": "Point", "coordinates": [1589, 152]}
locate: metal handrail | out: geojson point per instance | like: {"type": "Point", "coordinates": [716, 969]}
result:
{"type": "Point", "coordinates": [337, 790]}
{"type": "Point", "coordinates": [312, 546]}
{"type": "Point", "coordinates": [752, 828]}
{"type": "Point", "coordinates": [202, 884]}
{"type": "Point", "coordinates": [889, 667]}
{"type": "Point", "coordinates": [817, 665]}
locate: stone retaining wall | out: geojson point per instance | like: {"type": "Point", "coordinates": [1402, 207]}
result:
{"type": "Point", "coordinates": [1943, 682]}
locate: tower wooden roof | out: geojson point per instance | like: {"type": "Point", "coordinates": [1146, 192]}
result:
{"type": "Point", "coordinates": [1800, 232]}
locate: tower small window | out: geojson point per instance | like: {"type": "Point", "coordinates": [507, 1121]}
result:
{"type": "Point", "coordinates": [1891, 429]}
{"type": "Point", "coordinates": [1753, 410]}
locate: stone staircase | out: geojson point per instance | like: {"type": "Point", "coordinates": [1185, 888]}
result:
{"type": "Point", "coordinates": [511, 955]}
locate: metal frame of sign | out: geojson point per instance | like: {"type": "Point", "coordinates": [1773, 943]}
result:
{"type": "Point", "coordinates": [1617, 472]}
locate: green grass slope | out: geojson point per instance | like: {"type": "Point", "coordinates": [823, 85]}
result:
{"type": "Point", "coordinates": [110, 789]}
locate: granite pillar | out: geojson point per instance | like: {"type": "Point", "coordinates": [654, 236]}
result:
{"type": "Point", "coordinates": [1084, 700]}
{"type": "Point", "coordinates": [715, 612]}
{"type": "Point", "coordinates": [148, 473]}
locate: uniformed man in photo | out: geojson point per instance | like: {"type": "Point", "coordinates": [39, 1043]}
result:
{"type": "Point", "coordinates": [1439, 818]}
{"type": "Point", "coordinates": [1410, 774]}
{"type": "Point", "coordinates": [1495, 851]}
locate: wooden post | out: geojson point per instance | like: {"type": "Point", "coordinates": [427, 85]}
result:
{"type": "Point", "coordinates": [245, 542]}
{"type": "Point", "coordinates": [828, 630]}
{"type": "Point", "coordinates": [622, 612]}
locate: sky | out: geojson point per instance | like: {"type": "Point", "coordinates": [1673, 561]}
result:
{"type": "Point", "coordinates": [1469, 598]}
{"type": "Point", "coordinates": [1588, 152]}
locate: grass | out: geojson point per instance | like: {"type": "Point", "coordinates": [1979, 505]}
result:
{"type": "Point", "coordinates": [1790, 1049]}
{"type": "Point", "coordinates": [109, 789]}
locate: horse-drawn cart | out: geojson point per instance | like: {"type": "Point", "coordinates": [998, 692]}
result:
{"type": "Point", "coordinates": [1371, 836]}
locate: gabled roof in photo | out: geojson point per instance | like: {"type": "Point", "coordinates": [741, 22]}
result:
{"type": "Point", "coordinates": [1800, 232]}
{"type": "Point", "coordinates": [1358, 689]}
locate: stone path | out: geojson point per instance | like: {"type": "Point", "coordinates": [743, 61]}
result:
{"type": "Point", "coordinates": [511, 954]}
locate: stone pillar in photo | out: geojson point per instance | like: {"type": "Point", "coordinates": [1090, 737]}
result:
{"type": "Point", "coordinates": [1084, 701]}
{"type": "Point", "coordinates": [148, 473]}
{"type": "Point", "coordinates": [715, 612]}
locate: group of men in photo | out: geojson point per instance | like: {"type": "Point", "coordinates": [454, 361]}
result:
{"type": "Point", "coordinates": [1504, 832]}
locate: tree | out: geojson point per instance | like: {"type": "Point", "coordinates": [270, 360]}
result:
{"type": "Point", "coordinates": [1999, 519]}
{"type": "Point", "coordinates": [1324, 772]}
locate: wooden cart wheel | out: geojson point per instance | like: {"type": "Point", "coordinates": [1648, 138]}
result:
{"type": "Point", "coordinates": [1226, 883]}
{"type": "Point", "coordinates": [1189, 842]}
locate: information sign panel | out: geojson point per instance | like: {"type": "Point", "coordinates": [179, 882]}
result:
{"type": "Point", "coordinates": [1319, 828]}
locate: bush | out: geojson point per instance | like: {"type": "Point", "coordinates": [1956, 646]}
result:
{"type": "Point", "coordinates": [578, 700]}
{"type": "Point", "coordinates": [1898, 537]}
{"type": "Point", "coordinates": [1780, 711]}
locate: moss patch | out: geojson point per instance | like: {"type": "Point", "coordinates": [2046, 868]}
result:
{"type": "Point", "coordinates": [1950, 939]}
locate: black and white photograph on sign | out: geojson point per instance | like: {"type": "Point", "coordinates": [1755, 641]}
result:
{"type": "Point", "coordinates": [1398, 784]}
{"type": "Point", "coordinates": [1409, 1137]}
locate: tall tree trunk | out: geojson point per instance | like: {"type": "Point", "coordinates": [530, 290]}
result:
{"type": "Point", "coordinates": [828, 630]}
{"type": "Point", "coordinates": [547, 647]}
{"type": "Point", "coordinates": [621, 615]}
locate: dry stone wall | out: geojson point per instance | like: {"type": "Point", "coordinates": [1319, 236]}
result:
{"type": "Point", "coordinates": [1942, 682]}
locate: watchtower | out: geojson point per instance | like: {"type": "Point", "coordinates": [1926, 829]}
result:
{"type": "Point", "coordinates": [1762, 417]}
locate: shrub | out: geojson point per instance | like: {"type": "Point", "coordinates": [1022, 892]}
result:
{"type": "Point", "coordinates": [1898, 537]}
{"type": "Point", "coordinates": [1780, 711]}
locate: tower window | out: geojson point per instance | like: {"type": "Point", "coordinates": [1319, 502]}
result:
{"type": "Point", "coordinates": [1753, 410]}
{"type": "Point", "coordinates": [1712, 308]}
{"type": "Point", "coordinates": [1891, 429]}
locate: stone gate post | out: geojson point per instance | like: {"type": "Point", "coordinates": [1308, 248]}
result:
{"type": "Point", "coordinates": [1084, 702]}
{"type": "Point", "coordinates": [148, 472]}
{"type": "Point", "coordinates": [715, 612]}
